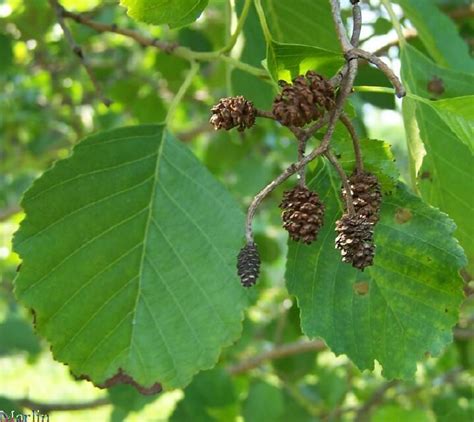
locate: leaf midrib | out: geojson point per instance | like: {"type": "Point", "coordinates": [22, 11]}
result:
{"type": "Point", "coordinates": [149, 222]}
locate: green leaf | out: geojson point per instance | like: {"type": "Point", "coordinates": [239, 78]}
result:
{"type": "Point", "coordinates": [254, 51]}
{"type": "Point", "coordinates": [458, 114]}
{"type": "Point", "coordinates": [264, 403]}
{"type": "Point", "coordinates": [175, 13]}
{"type": "Point", "coordinates": [128, 251]}
{"type": "Point", "coordinates": [17, 335]}
{"type": "Point", "coordinates": [445, 177]}
{"type": "Point", "coordinates": [378, 159]}
{"type": "Point", "coordinates": [209, 391]}
{"type": "Point", "coordinates": [370, 76]}
{"type": "Point", "coordinates": [438, 34]}
{"type": "Point", "coordinates": [392, 413]}
{"type": "Point", "coordinates": [6, 52]}
{"type": "Point", "coordinates": [286, 61]}
{"type": "Point", "coordinates": [126, 399]}
{"type": "Point", "coordinates": [7, 407]}
{"type": "Point", "coordinates": [415, 147]}
{"type": "Point", "coordinates": [305, 22]}
{"type": "Point", "coordinates": [395, 311]}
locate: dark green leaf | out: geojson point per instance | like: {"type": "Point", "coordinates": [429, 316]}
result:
{"type": "Point", "coordinates": [403, 306]}
{"type": "Point", "coordinates": [17, 335]}
{"type": "Point", "coordinates": [264, 403]}
{"type": "Point", "coordinates": [208, 392]}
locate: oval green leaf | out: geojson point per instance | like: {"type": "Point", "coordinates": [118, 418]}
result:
{"type": "Point", "coordinates": [128, 251]}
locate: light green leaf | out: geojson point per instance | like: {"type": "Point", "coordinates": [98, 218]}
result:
{"type": "Point", "coordinates": [175, 13]}
{"type": "Point", "coordinates": [438, 34]}
{"type": "Point", "coordinates": [286, 61]}
{"type": "Point", "coordinates": [415, 147]}
{"type": "Point", "coordinates": [128, 251]}
{"type": "Point", "coordinates": [378, 159]}
{"type": "Point", "coordinates": [392, 413]}
{"type": "Point", "coordinates": [305, 22]}
{"type": "Point", "coordinates": [395, 311]}
{"type": "Point", "coordinates": [445, 177]}
{"type": "Point", "coordinates": [458, 114]}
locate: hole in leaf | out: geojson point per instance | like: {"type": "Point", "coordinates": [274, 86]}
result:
{"type": "Point", "coordinates": [403, 215]}
{"type": "Point", "coordinates": [361, 288]}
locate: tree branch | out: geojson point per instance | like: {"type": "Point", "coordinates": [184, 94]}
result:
{"type": "Point", "coordinates": [166, 47]}
{"type": "Point", "coordinates": [399, 89]}
{"type": "Point", "coordinates": [278, 352]}
{"type": "Point", "coordinates": [363, 413]}
{"type": "Point", "coordinates": [62, 407]}
{"type": "Point", "coordinates": [77, 50]}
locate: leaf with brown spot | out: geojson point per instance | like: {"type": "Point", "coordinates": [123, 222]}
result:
{"type": "Point", "coordinates": [361, 288]}
{"type": "Point", "coordinates": [403, 215]}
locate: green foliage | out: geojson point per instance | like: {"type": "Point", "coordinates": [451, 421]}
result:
{"type": "Point", "coordinates": [438, 34]}
{"type": "Point", "coordinates": [378, 159]}
{"type": "Point", "coordinates": [445, 177]}
{"type": "Point", "coordinates": [176, 14]}
{"type": "Point", "coordinates": [392, 312]}
{"type": "Point", "coordinates": [299, 22]}
{"type": "Point", "coordinates": [129, 242]}
{"type": "Point", "coordinates": [130, 220]}
{"type": "Point", "coordinates": [17, 335]}
{"type": "Point", "coordinates": [263, 392]}
{"type": "Point", "coordinates": [209, 397]}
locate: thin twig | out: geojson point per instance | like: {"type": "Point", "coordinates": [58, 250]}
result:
{"type": "Point", "coordinates": [61, 407]}
{"type": "Point", "coordinates": [77, 50]}
{"type": "Point", "coordinates": [399, 89]}
{"type": "Point", "coordinates": [355, 142]}
{"type": "Point", "coordinates": [302, 141]}
{"type": "Point", "coordinates": [363, 414]}
{"type": "Point", "coordinates": [277, 352]}
{"type": "Point", "coordinates": [340, 30]}
{"type": "Point", "coordinates": [357, 25]}
{"type": "Point", "coordinates": [166, 47]}
{"type": "Point", "coordinates": [345, 182]}
{"type": "Point", "coordinates": [240, 25]}
{"type": "Point", "coordinates": [182, 91]}
{"type": "Point", "coordinates": [395, 21]}
{"type": "Point", "coordinates": [265, 114]}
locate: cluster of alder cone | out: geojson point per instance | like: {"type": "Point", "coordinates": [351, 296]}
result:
{"type": "Point", "coordinates": [307, 99]}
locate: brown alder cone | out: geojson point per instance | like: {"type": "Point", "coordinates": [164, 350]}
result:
{"type": "Point", "coordinates": [303, 214]}
{"type": "Point", "coordinates": [233, 112]}
{"type": "Point", "coordinates": [355, 241]}
{"type": "Point", "coordinates": [303, 101]}
{"type": "Point", "coordinates": [366, 195]}
{"type": "Point", "coordinates": [248, 264]}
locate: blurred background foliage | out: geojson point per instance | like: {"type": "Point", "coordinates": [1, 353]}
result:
{"type": "Point", "coordinates": [47, 103]}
